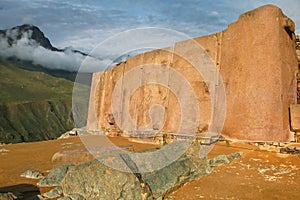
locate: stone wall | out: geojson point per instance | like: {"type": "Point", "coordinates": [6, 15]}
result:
{"type": "Point", "coordinates": [298, 75]}
{"type": "Point", "coordinates": [258, 64]}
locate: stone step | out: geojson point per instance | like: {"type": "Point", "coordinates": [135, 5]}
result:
{"type": "Point", "coordinates": [295, 117]}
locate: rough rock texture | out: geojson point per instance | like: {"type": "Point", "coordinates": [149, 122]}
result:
{"type": "Point", "coordinates": [33, 174]}
{"type": "Point", "coordinates": [7, 196]}
{"type": "Point", "coordinates": [221, 159]}
{"type": "Point", "coordinates": [295, 117]}
{"type": "Point", "coordinates": [55, 176]}
{"type": "Point", "coordinates": [224, 159]}
{"type": "Point", "coordinates": [72, 197]}
{"type": "Point", "coordinates": [94, 180]}
{"type": "Point", "coordinates": [54, 193]}
{"type": "Point", "coordinates": [260, 78]}
{"type": "Point", "coordinates": [290, 150]}
{"type": "Point", "coordinates": [257, 61]}
{"type": "Point", "coordinates": [298, 75]}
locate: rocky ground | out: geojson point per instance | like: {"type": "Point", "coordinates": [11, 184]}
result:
{"type": "Point", "coordinates": [258, 174]}
{"type": "Point", "coordinates": [15, 159]}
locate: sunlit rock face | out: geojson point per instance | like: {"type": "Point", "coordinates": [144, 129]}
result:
{"type": "Point", "coordinates": [256, 59]}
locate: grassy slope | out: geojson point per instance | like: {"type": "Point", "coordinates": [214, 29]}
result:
{"type": "Point", "coordinates": [34, 105]}
{"type": "Point", "coordinates": [18, 85]}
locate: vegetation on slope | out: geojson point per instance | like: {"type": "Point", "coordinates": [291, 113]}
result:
{"type": "Point", "coordinates": [34, 105]}
{"type": "Point", "coordinates": [18, 85]}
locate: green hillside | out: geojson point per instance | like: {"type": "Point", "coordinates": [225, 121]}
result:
{"type": "Point", "coordinates": [19, 85]}
{"type": "Point", "coordinates": [34, 106]}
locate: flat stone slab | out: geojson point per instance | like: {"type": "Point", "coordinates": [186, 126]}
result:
{"type": "Point", "coordinates": [295, 116]}
{"type": "Point", "coordinates": [32, 174]}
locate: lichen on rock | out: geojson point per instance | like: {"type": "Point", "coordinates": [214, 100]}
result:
{"type": "Point", "coordinates": [96, 181]}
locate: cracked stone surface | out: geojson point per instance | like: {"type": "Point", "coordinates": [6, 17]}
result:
{"type": "Point", "coordinates": [55, 176]}
{"type": "Point", "coordinates": [33, 174]}
{"type": "Point", "coordinates": [96, 181]}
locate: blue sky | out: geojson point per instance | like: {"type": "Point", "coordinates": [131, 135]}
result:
{"type": "Point", "coordinates": [82, 23]}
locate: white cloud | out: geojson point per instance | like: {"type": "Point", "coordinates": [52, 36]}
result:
{"type": "Point", "coordinates": [83, 24]}
{"type": "Point", "coordinates": [29, 50]}
{"type": "Point", "coordinates": [214, 14]}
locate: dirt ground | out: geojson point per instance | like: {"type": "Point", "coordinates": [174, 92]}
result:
{"type": "Point", "coordinates": [256, 175]}
{"type": "Point", "coordinates": [39, 156]}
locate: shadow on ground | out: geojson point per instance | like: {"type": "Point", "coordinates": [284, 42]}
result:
{"type": "Point", "coordinates": [21, 190]}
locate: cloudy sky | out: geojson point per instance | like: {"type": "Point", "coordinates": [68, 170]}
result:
{"type": "Point", "coordinates": [84, 23]}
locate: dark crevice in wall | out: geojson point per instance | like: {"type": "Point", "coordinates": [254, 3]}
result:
{"type": "Point", "coordinates": [289, 32]}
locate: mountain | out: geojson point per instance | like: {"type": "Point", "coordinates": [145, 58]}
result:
{"type": "Point", "coordinates": [34, 105]}
{"type": "Point", "coordinates": [16, 33]}
{"type": "Point", "coordinates": [34, 35]}
{"type": "Point", "coordinates": [36, 86]}
{"type": "Point", "coordinates": [27, 47]}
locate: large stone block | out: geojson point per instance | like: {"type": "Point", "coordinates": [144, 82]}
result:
{"type": "Point", "coordinates": [257, 60]}
{"type": "Point", "coordinates": [258, 66]}
{"type": "Point", "coordinates": [295, 117]}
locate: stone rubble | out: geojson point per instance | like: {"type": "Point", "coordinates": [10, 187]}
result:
{"type": "Point", "coordinates": [221, 159]}
{"type": "Point", "coordinates": [54, 193]}
{"type": "Point", "coordinates": [4, 150]}
{"type": "Point", "coordinates": [290, 150]}
{"type": "Point", "coordinates": [278, 147]}
{"type": "Point", "coordinates": [7, 196]}
{"type": "Point", "coordinates": [95, 181]}
{"type": "Point", "coordinates": [224, 159]}
{"type": "Point", "coordinates": [33, 174]}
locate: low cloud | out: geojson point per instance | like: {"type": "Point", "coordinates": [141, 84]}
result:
{"type": "Point", "coordinates": [84, 25]}
{"type": "Point", "coordinates": [29, 50]}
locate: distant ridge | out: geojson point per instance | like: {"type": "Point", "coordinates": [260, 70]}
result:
{"type": "Point", "coordinates": [34, 33]}
{"type": "Point", "coordinates": [32, 38]}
